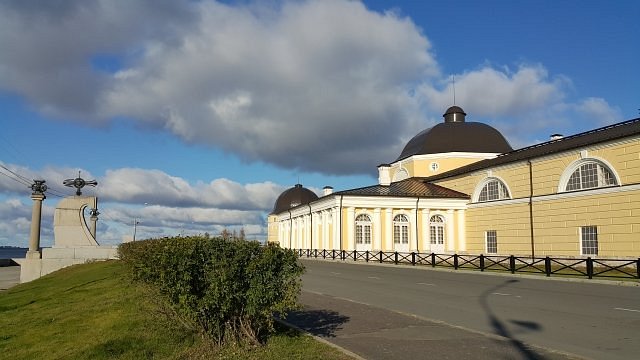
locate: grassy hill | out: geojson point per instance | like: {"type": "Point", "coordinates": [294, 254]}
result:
{"type": "Point", "coordinates": [92, 312]}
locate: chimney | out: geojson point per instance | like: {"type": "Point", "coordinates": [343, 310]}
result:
{"type": "Point", "coordinates": [555, 137]}
{"type": "Point", "coordinates": [384, 178]}
{"type": "Point", "coordinates": [327, 190]}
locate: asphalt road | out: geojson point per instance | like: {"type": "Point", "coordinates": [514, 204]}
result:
{"type": "Point", "coordinates": [592, 320]}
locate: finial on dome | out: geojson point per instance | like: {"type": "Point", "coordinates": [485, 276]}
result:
{"type": "Point", "coordinates": [454, 114]}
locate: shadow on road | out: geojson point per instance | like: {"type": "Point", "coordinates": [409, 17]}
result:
{"type": "Point", "coordinates": [500, 328]}
{"type": "Point", "coordinates": [323, 323]}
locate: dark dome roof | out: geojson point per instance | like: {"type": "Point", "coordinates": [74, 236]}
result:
{"type": "Point", "coordinates": [456, 135]}
{"type": "Point", "coordinates": [292, 197]}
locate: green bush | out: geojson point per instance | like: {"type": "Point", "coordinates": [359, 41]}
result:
{"type": "Point", "coordinates": [229, 288]}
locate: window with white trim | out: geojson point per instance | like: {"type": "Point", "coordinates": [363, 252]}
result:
{"type": "Point", "coordinates": [363, 229]}
{"type": "Point", "coordinates": [436, 230]}
{"type": "Point", "coordinates": [491, 238]}
{"type": "Point", "coordinates": [589, 240]}
{"type": "Point", "coordinates": [589, 175]}
{"type": "Point", "coordinates": [493, 189]}
{"type": "Point", "coordinates": [401, 229]}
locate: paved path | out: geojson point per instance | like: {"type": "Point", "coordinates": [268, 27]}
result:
{"type": "Point", "coordinates": [9, 276]}
{"type": "Point", "coordinates": [377, 334]}
{"type": "Point", "coordinates": [589, 319]}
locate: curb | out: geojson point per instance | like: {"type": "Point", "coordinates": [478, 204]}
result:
{"type": "Point", "coordinates": [322, 340]}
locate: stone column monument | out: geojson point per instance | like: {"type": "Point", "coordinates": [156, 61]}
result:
{"type": "Point", "coordinates": [74, 239]}
{"type": "Point", "coordinates": [37, 196]}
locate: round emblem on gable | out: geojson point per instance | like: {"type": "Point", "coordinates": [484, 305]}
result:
{"type": "Point", "coordinates": [434, 166]}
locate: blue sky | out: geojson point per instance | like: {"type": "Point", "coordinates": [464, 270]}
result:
{"type": "Point", "coordinates": [196, 118]}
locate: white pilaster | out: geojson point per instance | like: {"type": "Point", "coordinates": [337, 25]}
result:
{"type": "Point", "coordinates": [412, 230]}
{"type": "Point", "coordinates": [462, 236]}
{"type": "Point", "coordinates": [426, 236]}
{"type": "Point", "coordinates": [388, 233]}
{"type": "Point", "coordinates": [337, 216]}
{"type": "Point", "coordinates": [351, 245]}
{"type": "Point", "coordinates": [377, 230]}
{"type": "Point", "coordinates": [451, 241]}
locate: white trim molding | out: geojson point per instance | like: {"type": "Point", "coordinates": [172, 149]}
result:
{"type": "Point", "coordinates": [571, 168]}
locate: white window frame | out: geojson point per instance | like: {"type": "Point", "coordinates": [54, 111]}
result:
{"type": "Point", "coordinates": [401, 229]}
{"type": "Point", "coordinates": [487, 234]}
{"type": "Point", "coordinates": [480, 187]}
{"type": "Point", "coordinates": [365, 228]}
{"type": "Point", "coordinates": [437, 228]}
{"type": "Point", "coordinates": [582, 240]}
{"type": "Point", "coordinates": [576, 165]}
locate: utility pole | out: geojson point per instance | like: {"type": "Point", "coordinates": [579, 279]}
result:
{"type": "Point", "coordinates": [135, 226]}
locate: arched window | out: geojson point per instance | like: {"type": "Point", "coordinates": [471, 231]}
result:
{"type": "Point", "coordinates": [590, 174]}
{"type": "Point", "coordinates": [363, 229]}
{"type": "Point", "coordinates": [493, 189]}
{"type": "Point", "coordinates": [436, 230]}
{"type": "Point", "coordinates": [401, 229]}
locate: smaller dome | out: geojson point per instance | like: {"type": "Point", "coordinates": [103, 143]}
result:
{"type": "Point", "coordinates": [292, 197]}
{"type": "Point", "coordinates": [454, 114]}
{"type": "Point", "coordinates": [456, 135]}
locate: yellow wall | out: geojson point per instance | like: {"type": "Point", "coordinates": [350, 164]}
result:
{"type": "Point", "coordinates": [421, 167]}
{"type": "Point", "coordinates": [272, 229]}
{"type": "Point", "coordinates": [557, 221]}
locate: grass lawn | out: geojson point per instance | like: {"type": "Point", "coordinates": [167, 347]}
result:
{"type": "Point", "coordinates": [92, 312]}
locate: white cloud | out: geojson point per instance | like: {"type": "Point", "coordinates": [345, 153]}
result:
{"type": "Point", "coordinates": [599, 110]}
{"type": "Point", "coordinates": [140, 186]}
{"type": "Point", "coordinates": [499, 92]}
{"type": "Point", "coordinates": [326, 86]}
{"type": "Point", "coordinates": [164, 205]}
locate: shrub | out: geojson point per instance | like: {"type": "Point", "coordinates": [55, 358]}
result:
{"type": "Point", "coordinates": [229, 288]}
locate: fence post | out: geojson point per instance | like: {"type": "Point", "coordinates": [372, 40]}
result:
{"type": "Point", "coordinates": [343, 256]}
{"type": "Point", "coordinates": [455, 261]}
{"type": "Point", "coordinates": [355, 253]}
{"type": "Point", "coordinates": [380, 256]}
{"type": "Point", "coordinates": [512, 264]}
{"type": "Point", "coordinates": [590, 267]}
{"type": "Point", "coordinates": [396, 258]}
{"type": "Point", "coordinates": [366, 256]}
{"type": "Point", "coordinates": [547, 266]}
{"type": "Point", "coordinates": [638, 267]}
{"type": "Point", "coordinates": [481, 262]}
{"type": "Point", "coordinates": [433, 259]}
{"type": "Point", "coordinates": [413, 258]}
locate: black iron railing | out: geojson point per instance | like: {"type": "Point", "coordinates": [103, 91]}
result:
{"type": "Point", "coordinates": [583, 267]}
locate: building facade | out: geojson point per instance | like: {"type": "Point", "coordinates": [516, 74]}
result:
{"type": "Point", "coordinates": [459, 187]}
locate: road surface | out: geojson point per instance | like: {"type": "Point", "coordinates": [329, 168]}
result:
{"type": "Point", "coordinates": [592, 320]}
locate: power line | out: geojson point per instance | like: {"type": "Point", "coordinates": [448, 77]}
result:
{"type": "Point", "coordinates": [14, 178]}
{"type": "Point", "coordinates": [24, 178]}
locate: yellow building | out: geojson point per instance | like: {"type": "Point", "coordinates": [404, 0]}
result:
{"type": "Point", "coordinates": [459, 187]}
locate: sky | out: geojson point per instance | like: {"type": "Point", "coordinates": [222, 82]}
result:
{"type": "Point", "coordinates": [193, 116]}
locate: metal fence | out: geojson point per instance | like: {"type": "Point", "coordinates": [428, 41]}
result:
{"type": "Point", "coordinates": [583, 267]}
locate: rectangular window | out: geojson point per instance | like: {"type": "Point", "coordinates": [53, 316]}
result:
{"type": "Point", "coordinates": [358, 234]}
{"type": "Point", "coordinates": [589, 240]}
{"type": "Point", "coordinates": [492, 241]}
{"type": "Point", "coordinates": [367, 234]}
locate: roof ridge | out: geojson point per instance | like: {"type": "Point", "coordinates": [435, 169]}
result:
{"type": "Point", "coordinates": [564, 138]}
